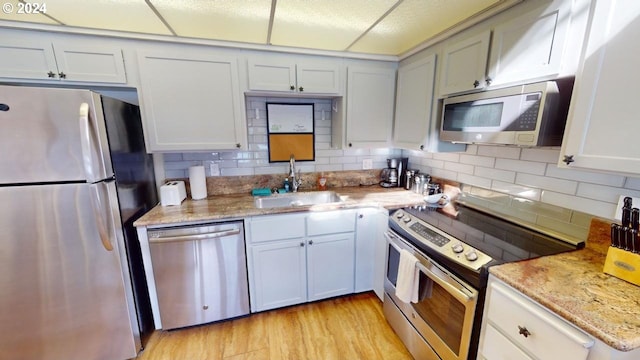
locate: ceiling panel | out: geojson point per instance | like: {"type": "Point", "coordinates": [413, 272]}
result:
{"type": "Point", "coordinates": [324, 24]}
{"type": "Point", "coordinates": [232, 20]}
{"type": "Point", "coordinates": [10, 12]}
{"type": "Point", "coordinates": [119, 15]}
{"type": "Point", "coordinates": [415, 21]}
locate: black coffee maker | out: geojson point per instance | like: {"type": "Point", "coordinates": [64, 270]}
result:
{"type": "Point", "coordinates": [394, 174]}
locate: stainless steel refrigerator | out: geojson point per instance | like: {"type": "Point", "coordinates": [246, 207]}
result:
{"type": "Point", "coordinates": [74, 175]}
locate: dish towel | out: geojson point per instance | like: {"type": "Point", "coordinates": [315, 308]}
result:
{"type": "Point", "coordinates": [408, 278]}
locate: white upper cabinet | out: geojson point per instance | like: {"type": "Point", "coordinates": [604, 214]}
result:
{"type": "Point", "coordinates": [30, 56]}
{"type": "Point", "coordinates": [285, 74]}
{"type": "Point", "coordinates": [191, 101]}
{"type": "Point", "coordinates": [603, 126]}
{"type": "Point", "coordinates": [464, 64]}
{"type": "Point", "coordinates": [370, 101]}
{"type": "Point", "coordinates": [530, 45]}
{"type": "Point", "coordinates": [414, 100]}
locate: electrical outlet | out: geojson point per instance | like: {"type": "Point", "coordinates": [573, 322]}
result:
{"type": "Point", "coordinates": [214, 169]}
{"type": "Point", "coordinates": [367, 164]}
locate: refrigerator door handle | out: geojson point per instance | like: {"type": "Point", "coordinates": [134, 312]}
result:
{"type": "Point", "coordinates": [85, 139]}
{"type": "Point", "coordinates": [98, 213]}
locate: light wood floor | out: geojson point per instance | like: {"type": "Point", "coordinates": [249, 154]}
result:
{"type": "Point", "coordinates": [351, 327]}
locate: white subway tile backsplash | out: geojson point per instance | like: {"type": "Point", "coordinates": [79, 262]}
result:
{"type": "Point", "coordinates": [585, 176]}
{"type": "Point", "coordinates": [448, 157]}
{"type": "Point", "coordinates": [496, 174]}
{"type": "Point", "coordinates": [604, 193]}
{"type": "Point", "coordinates": [598, 208]}
{"type": "Point", "coordinates": [236, 171]}
{"type": "Point", "coordinates": [499, 151]}
{"type": "Point", "coordinates": [548, 183]}
{"type": "Point", "coordinates": [477, 160]}
{"type": "Point", "coordinates": [458, 167]}
{"type": "Point", "coordinates": [540, 154]}
{"type": "Point", "coordinates": [474, 180]}
{"type": "Point", "coordinates": [529, 167]}
{"type": "Point", "coordinates": [516, 190]}
{"type": "Point", "coordinates": [632, 183]}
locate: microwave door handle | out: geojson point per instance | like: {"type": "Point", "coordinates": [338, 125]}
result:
{"type": "Point", "coordinates": [456, 291]}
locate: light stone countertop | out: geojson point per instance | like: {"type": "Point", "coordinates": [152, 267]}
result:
{"type": "Point", "coordinates": [573, 286]}
{"type": "Point", "coordinates": [220, 207]}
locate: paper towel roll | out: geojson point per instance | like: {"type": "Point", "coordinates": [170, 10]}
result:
{"type": "Point", "coordinates": [198, 182]}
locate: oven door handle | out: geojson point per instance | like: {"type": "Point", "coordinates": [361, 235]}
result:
{"type": "Point", "coordinates": [452, 286]}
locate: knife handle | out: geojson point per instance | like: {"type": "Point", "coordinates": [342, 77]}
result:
{"type": "Point", "coordinates": [633, 234]}
{"type": "Point", "coordinates": [627, 241]}
{"type": "Point", "coordinates": [626, 217]}
{"type": "Point", "coordinates": [615, 235]}
{"type": "Point", "coordinates": [635, 219]}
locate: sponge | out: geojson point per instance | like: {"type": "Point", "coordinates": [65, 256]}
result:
{"type": "Point", "coordinates": [261, 192]}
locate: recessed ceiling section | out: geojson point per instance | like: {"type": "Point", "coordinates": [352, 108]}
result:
{"type": "Point", "coordinates": [327, 25]}
{"type": "Point", "coordinates": [229, 20]}
{"type": "Point", "coordinates": [415, 21]}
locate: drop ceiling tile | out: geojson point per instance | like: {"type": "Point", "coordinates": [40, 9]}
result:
{"type": "Point", "coordinates": [119, 15]}
{"type": "Point", "coordinates": [10, 12]}
{"type": "Point", "coordinates": [415, 21]}
{"type": "Point", "coordinates": [324, 24]}
{"type": "Point", "coordinates": [231, 20]}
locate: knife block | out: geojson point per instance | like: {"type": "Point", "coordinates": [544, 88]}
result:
{"type": "Point", "coordinates": [623, 264]}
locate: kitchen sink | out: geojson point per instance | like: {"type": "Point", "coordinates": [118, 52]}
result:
{"type": "Point", "coordinates": [297, 199]}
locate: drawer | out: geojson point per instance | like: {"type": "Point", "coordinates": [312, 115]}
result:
{"type": "Point", "coordinates": [331, 222]}
{"type": "Point", "coordinates": [549, 336]}
{"type": "Point", "coordinates": [276, 227]}
{"type": "Point", "coordinates": [497, 347]}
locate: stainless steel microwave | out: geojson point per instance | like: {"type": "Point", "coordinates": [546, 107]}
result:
{"type": "Point", "coordinates": [526, 115]}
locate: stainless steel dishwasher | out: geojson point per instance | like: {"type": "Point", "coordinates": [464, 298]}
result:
{"type": "Point", "coordinates": [200, 273]}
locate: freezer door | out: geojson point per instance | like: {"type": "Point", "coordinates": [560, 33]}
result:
{"type": "Point", "coordinates": [44, 139]}
{"type": "Point", "coordinates": [64, 293]}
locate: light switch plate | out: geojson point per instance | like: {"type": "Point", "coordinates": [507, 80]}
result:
{"type": "Point", "coordinates": [635, 204]}
{"type": "Point", "coordinates": [367, 164]}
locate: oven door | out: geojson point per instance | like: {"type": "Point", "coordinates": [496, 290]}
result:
{"type": "Point", "coordinates": [446, 305]}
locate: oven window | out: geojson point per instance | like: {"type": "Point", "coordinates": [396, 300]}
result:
{"type": "Point", "coordinates": [441, 311]}
{"type": "Point", "coordinates": [392, 265]}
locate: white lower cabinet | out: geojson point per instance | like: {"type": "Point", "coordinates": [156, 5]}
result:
{"type": "Point", "coordinates": [515, 327]}
{"type": "Point", "coordinates": [295, 258]}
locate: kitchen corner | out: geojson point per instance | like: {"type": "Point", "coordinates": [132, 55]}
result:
{"type": "Point", "coordinates": [574, 287]}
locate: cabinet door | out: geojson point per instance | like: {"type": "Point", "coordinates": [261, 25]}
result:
{"type": "Point", "coordinates": [26, 57]}
{"type": "Point", "coordinates": [531, 45]}
{"type": "Point", "coordinates": [272, 75]}
{"type": "Point", "coordinates": [464, 64]}
{"type": "Point", "coordinates": [191, 102]}
{"type": "Point", "coordinates": [330, 265]}
{"type": "Point", "coordinates": [414, 99]}
{"type": "Point", "coordinates": [370, 250]}
{"type": "Point", "coordinates": [318, 79]}
{"type": "Point", "coordinates": [90, 63]}
{"type": "Point", "coordinates": [603, 127]}
{"type": "Point", "coordinates": [370, 100]}
{"type": "Point", "coordinates": [279, 274]}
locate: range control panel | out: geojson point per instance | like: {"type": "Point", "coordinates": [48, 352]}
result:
{"type": "Point", "coordinates": [440, 242]}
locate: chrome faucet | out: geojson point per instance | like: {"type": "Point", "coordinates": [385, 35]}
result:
{"type": "Point", "coordinates": [295, 178]}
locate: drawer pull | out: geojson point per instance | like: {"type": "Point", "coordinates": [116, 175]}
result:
{"type": "Point", "coordinates": [523, 331]}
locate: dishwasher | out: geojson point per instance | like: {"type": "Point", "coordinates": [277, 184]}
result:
{"type": "Point", "coordinates": [200, 273]}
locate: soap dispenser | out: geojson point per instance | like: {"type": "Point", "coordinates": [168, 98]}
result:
{"type": "Point", "coordinates": [287, 186]}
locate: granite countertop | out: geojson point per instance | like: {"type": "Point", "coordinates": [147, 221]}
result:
{"type": "Point", "coordinates": [574, 287]}
{"type": "Point", "coordinates": [241, 205]}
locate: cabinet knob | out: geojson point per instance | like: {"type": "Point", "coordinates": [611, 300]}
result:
{"type": "Point", "coordinates": [568, 159]}
{"type": "Point", "coordinates": [350, 144]}
{"type": "Point", "coordinates": [292, 87]}
{"type": "Point", "coordinates": [205, 307]}
{"type": "Point", "coordinates": [301, 244]}
{"type": "Point", "coordinates": [361, 216]}
{"type": "Point", "coordinates": [310, 242]}
{"type": "Point", "coordinates": [488, 81]}
{"type": "Point", "coordinates": [238, 145]}
{"type": "Point", "coordinates": [51, 74]}
{"type": "Point", "coordinates": [523, 331]}
{"type": "Point", "coordinates": [476, 84]}
{"type": "Point", "coordinates": [301, 88]}
{"type": "Point", "coordinates": [62, 75]}
{"type": "Point", "coordinates": [421, 147]}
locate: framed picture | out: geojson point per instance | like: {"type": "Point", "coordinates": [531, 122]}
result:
{"type": "Point", "coordinates": [290, 131]}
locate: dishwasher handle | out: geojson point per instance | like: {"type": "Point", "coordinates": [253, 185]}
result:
{"type": "Point", "coordinates": [157, 238]}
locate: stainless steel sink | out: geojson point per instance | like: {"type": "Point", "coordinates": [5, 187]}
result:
{"type": "Point", "coordinates": [297, 199]}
